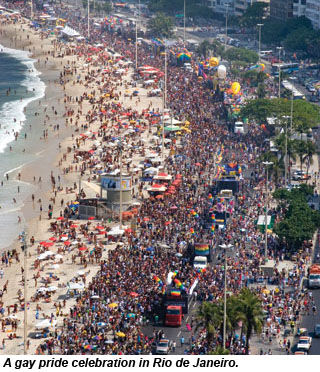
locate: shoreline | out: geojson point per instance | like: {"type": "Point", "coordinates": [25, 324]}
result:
{"type": "Point", "coordinates": [46, 152]}
{"type": "Point", "coordinates": [53, 159]}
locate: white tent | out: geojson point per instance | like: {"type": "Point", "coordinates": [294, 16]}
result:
{"type": "Point", "coordinates": [173, 121]}
{"type": "Point", "coordinates": [45, 255]}
{"type": "Point", "coordinates": [45, 323]}
{"type": "Point", "coordinates": [70, 32]}
{"type": "Point", "coordinates": [75, 286]}
{"type": "Point", "coordinates": [116, 231]}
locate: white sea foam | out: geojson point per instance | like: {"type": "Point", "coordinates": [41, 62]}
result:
{"type": "Point", "coordinates": [15, 109]}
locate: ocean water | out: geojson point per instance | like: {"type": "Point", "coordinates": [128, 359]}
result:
{"type": "Point", "coordinates": [20, 85]}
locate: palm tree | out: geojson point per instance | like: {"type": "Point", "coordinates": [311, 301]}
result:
{"type": "Point", "coordinates": [208, 317]}
{"type": "Point", "coordinates": [276, 168]}
{"type": "Point", "coordinates": [250, 312]}
{"type": "Point", "coordinates": [301, 149]}
{"type": "Point", "coordinates": [311, 150]}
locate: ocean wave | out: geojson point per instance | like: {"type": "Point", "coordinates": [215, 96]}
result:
{"type": "Point", "coordinates": [12, 113]}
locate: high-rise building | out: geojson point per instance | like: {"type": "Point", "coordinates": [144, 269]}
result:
{"type": "Point", "coordinates": [281, 9]}
{"type": "Point", "coordinates": [299, 8]}
{"type": "Point", "coordinates": [222, 6]}
{"type": "Point", "coordinates": [240, 6]}
{"type": "Point", "coordinates": [312, 11]}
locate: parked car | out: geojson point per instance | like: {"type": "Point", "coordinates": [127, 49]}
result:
{"type": "Point", "coordinates": [300, 176]}
{"type": "Point", "coordinates": [317, 330]}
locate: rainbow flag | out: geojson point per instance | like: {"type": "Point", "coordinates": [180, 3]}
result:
{"type": "Point", "coordinates": [210, 197]}
{"type": "Point", "coordinates": [201, 249]}
{"type": "Point", "coordinates": [192, 230]}
{"type": "Point", "coordinates": [175, 292]}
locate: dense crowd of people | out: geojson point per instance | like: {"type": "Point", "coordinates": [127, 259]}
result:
{"type": "Point", "coordinates": [111, 315]}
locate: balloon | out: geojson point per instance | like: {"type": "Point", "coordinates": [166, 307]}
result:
{"type": "Point", "coordinates": [222, 72]}
{"type": "Point", "coordinates": [235, 87]}
{"type": "Point", "coordinates": [260, 67]}
{"type": "Point", "coordinates": [213, 62]}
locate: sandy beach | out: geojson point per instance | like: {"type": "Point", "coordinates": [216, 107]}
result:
{"type": "Point", "coordinates": [53, 159]}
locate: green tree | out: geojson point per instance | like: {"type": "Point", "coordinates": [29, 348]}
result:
{"type": "Point", "coordinates": [300, 221]}
{"type": "Point", "coordinates": [208, 316]}
{"type": "Point", "coordinates": [203, 48]}
{"type": "Point", "coordinates": [250, 312]}
{"type": "Point", "coordinates": [311, 150]}
{"type": "Point", "coordinates": [219, 351]}
{"type": "Point", "coordinates": [254, 14]}
{"type": "Point", "coordinates": [261, 91]}
{"type": "Point", "coordinates": [305, 114]}
{"type": "Point", "coordinates": [297, 39]}
{"type": "Point", "coordinates": [277, 166]}
{"type": "Point", "coordinates": [241, 54]}
{"type": "Point", "coordinates": [160, 26]}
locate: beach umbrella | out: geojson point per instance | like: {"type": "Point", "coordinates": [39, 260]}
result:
{"type": "Point", "coordinates": [178, 254]}
{"type": "Point", "coordinates": [91, 218]}
{"type": "Point", "coordinates": [134, 294]}
{"type": "Point", "coordinates": [53, 239]}
{"type": "Point", "coordinates": [73, 226]}
{"type": "Point", "coordinates": [80, 272]}
{"type": "Point", "coordinates": [131, 315]}
{"type": "Point", "coordinates": [60, 218]}
{"type": "Point", "coordinates": [52, 288]}
{"type": "Point", "coordinates": [67, 243]}
{"type": "Point", "coordinates": [100, 227]}
{"type": "Point", "coordinates": [54, 267]}
{"type": "Point", "coordinates": [120, 334]}
{"type": "Point", "coordinates": [171, 128]}
{"type": "Point", "coordinates": [113, 305]}
{"type": "Point", "coordinates": [83, 248]}
{"type": "Point", "coordinates": [108, 342]}
{"type": "Point", "coordinates": [101, 324]}
{"type": "Point", "coordinates": [95, 297]}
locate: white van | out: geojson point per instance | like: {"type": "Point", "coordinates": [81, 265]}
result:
{"type": "Point", "coordinates": [200, 262]}
{"type": "Point", "coordinates": [238, 127]}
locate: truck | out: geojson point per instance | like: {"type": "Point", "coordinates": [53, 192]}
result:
{"type": "Point", "coordinates": [226, 194]}
{"type": "Point", "coordinates": [173, 316]}
{"type": "Point", "coordinates": [314, 276]}
{"type": "Point", "coordinates": [200, 262]}
{"type": "Point", "coordinates": [227, 182]}
{"type": "Point", "coordinates": [202, 250]}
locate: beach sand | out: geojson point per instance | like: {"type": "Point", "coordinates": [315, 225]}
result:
{"type": "Point", "coordinates": [50, 152]}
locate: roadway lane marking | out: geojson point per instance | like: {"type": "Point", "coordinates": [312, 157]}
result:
{"type": "Point", "coordinates": [179, 334]}
{"type": "Point", "coordinates": [187, 318]}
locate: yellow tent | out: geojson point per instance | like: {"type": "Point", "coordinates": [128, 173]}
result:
{"type": "Point", "coordinates": [113, 305]}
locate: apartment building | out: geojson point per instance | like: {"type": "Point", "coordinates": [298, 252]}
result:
{"type": "Point", "coordinates": [312, 11]}
{"type": "Point", "coordinates": [281, 10]}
